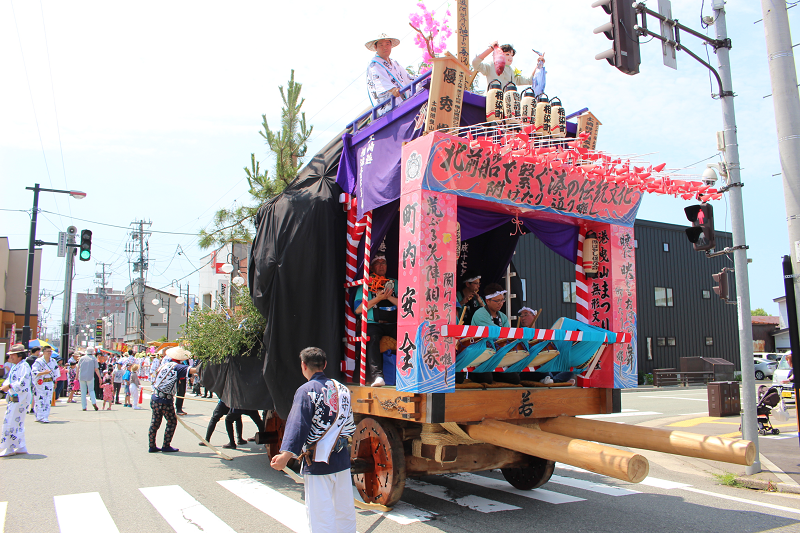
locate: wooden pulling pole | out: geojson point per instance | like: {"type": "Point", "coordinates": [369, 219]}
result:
{"type": "Point", "coordinates": [740, 452]}
{"type": "Point", "coordinates": [598, 458]}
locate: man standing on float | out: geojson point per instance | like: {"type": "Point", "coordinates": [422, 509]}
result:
{"type": "Point", "coordinates": [385, 76]}
{"type": "Point", "coordinates": [536, 81]}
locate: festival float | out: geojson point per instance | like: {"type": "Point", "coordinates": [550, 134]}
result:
{"type": "Point", "coordinates": [439, 188]}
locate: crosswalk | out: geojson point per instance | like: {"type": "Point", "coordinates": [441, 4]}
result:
{"type": "Point", "coordinates": [184, 513]}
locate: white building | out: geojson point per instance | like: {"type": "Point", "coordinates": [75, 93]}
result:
{"type": "Point", "coordinates": [214, 281]}
{"type": "Point", "coordinates": [782, 335]}
{"type": "Point", "coordinates": [155, 322]}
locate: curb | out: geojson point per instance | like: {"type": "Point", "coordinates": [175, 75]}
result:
{"type": "Point", "coordinates": [768, 485]}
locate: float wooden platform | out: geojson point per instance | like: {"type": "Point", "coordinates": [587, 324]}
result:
{"type": "Point", "coordinates": [473, 405]}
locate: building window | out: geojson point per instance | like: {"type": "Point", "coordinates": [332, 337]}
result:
{"type": "Point", "coordinates": [663, 297]}
{"type": "Point", "coordinates": [670, 341]}
{"type": "Point", "coordinates": [709, 341]}
{"type": "Point", "coordinates": [666, 247]}
{"type": "Point", "coordinates": [661, 341]}
{"type": "Point", "coordinates": [706, 295]}
{"type": "Point", "coordinates": [568, 292]}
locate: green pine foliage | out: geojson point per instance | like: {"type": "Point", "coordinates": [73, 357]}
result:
{"type": "Point", "coordinates": [288, 145]}
{"type": "Point", "coordinates": [213, 335]}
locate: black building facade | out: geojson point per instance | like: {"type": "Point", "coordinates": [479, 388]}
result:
{"type": "Point", "coordinates": [678, 313]}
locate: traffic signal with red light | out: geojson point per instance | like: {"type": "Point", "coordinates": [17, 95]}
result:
{"type": "Point", "coordinates": [721, 279]}
{"type": "Point", "coordinates": [86, 245]}
{"type": "Point", "coordinates": [701, 234]}
{"type": "Point", "coordinates": [624, 53]}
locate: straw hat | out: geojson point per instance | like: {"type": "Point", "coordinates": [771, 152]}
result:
{"type": "Point", "coordinates": [177, 353]}
{"type": "Point", "coordinates": [371, 44]}
{"type": "Point", "coordinates": [17, 348]}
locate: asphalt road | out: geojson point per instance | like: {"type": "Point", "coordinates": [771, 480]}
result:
{"type": "Point", "coordinates": [90, 471]}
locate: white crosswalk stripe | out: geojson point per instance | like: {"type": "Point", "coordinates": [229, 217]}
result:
{"type": "Point", "coordinates": [547, 496]}
{"type": "Point", "coordinates": [402, 513]}
{"type": "Point", "coordinates": [3, 507]}
{"type": "Point", "coordinates": [476, 503]}
{"type": "Point", "coordinates": [284, 509]}
{"type": "Point", "coordinates": [182, 512]}
{"type": "Point", "coordinates": [591, 486]}
{"type": "Point", "coordinates": [83, 513]}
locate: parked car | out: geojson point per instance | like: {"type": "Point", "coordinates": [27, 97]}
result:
{"type": "Point", "coordinates": [764, 368]}
{"type": "Point", "coordinates": [772, 356]}
{"type": "Point", "coordinates": [782, 374]}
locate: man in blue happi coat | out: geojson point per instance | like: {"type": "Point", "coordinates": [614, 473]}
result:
{"type": "Point", "coordinates": [316, 433]}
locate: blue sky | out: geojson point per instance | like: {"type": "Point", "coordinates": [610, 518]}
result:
{"type": "Point", "coordinates": [153, 109]}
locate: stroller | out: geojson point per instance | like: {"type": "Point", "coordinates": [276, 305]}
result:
{"type": "Point", "coordinates": [768, 399]}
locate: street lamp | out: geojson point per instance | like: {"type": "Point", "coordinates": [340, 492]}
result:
{"type": "Point", "coordinates": [180, 300]}
{"type": "Point", "coordinates": [163, 310]}
{"type": "Point", "coordinates": [26, 328]}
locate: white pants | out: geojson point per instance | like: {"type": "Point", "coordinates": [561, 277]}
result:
{"type": "Point", "coordinates": [329, 503]}
{"type": "Point", "coordinates": [42, 395]}
{"type": "Point", "coordinates": [135, 396]}
{"type": "Point", "coordinates": [12, 440]}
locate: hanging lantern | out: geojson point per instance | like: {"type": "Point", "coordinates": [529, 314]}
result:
{"type": "Point", "coordinates": [511, 103]}
{"type": "Point", "coordinates": [558, 119]}
{"type": "Point", "coordinates": [494, 102]}
{"type": "Point", "coordinates": [542, 115]}
{"type": "Point", "coordinates": [527, 106]}
{"type": "Point", "coordinates": [591, 255]}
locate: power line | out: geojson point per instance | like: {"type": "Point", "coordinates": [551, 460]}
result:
{"type": "Point", "coordinates": [121, 227]}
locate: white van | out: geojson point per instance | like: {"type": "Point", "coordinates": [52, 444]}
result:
{"type": "Point", "coordinates": [781, 375]}
{"type": "Point", "coordinates": [772, 356]}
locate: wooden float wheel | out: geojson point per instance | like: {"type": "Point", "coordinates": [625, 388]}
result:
{"type": "Point", "coordinates": [276, 427]}
{"type": "Point", "coordinates": [378, 441]}
{"type": "Point", "coordinates": [533, 476]}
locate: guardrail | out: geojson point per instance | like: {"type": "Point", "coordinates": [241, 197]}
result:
{"type": "Point", "coordinates": [663, 377]}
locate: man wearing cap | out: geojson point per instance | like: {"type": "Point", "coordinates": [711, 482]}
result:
{"type": "Point", "coordinates": [385, 76]}
{"type": "Point", "coordinates": [165, 386]}
{"type": "Point", "coordinates": [17, 387]}
{"type": "Point", "coordinates": [88, 368]}
{"type": "Point", "coordinates": [381, 316]}
{"type": "Point", "coordinates": [44, 373]}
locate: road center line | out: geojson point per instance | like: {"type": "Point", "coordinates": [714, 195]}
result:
{"type": "Point", "coordinates": [742, 500]}
{"type": "Point", "coordinates": [617, 415]}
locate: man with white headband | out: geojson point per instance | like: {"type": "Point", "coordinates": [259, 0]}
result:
{"type": "Point", "coordinates": [381, 315]}
{"type": "Point", "coordinates": [468, 298]}
{"type": "Point", "coordinates": [490, 314]}
{"type": "Point", "coordinates": [527, 317]}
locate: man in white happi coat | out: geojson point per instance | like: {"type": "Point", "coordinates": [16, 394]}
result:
{"type": "Point", "coordinates": [385, 76]}
{"type": "Point", "coordinates": [43, 374]}
{"type": "Point", "coordinates": [17, 387]}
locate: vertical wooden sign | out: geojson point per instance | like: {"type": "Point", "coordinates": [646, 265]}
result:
{"type": "Point", "coordinates": [448, 81]}
{"type": "Point", "coordinates": [463, 31]}
{"type": "Point", "coordinates": [588, 123]}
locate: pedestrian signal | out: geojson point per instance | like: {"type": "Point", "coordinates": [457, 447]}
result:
{"type": "Point", "coordinates": [701, 234]}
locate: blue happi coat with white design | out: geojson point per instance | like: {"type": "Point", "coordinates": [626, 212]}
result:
{"type": "Point", "coordinates": [314, 410]}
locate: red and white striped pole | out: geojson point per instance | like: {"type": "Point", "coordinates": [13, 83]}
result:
{"type": "Point", "coordinates": [365, 296]}
{"type": "Point", "coordinates": [581, 288]}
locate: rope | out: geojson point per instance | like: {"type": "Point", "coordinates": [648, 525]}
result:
{"type": "Point", "coordinates": [184, 397]}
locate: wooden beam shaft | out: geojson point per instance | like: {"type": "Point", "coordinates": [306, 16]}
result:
{"type": "Point", "coordinates": [612, 462]}
{"type": "Point", "coordinates": [741, 452]}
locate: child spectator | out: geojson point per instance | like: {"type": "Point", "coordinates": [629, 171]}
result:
{"type": "Point", "coordinates": [108, 391]}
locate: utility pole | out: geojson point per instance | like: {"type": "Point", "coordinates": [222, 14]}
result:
{"type": "Point", "coordinates": [67, 303]}
{"type": "Point", "coordinates": [103, 284]}
{"type": "Point", "coordinates": [733, 184]}
{"type": "Point", "coordinates": [749, 422]}
{"type": "Point", "coordinates": [783, 75]}
{"type": "Point", "coordinates": [140, 266]}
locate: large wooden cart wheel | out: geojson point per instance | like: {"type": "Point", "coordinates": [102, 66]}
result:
{"type": "Point", "coordinates": [533, 476]}
{"type": "Point", "coordinates": [377, 441]}
{"type": "Point", "coordinates": [273, 431]}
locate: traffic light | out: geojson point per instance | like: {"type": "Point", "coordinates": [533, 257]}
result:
{"type": "Point", "coordinates": [701, 234]}
{"type": "Point", "coordinates": [624, 53]}
{"type": "Point", "coordinates": [86, 245]}
{"type": "Point", "coordinates": [721, 279]}
{"type": "Point", "coordinates": [98, 329]}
